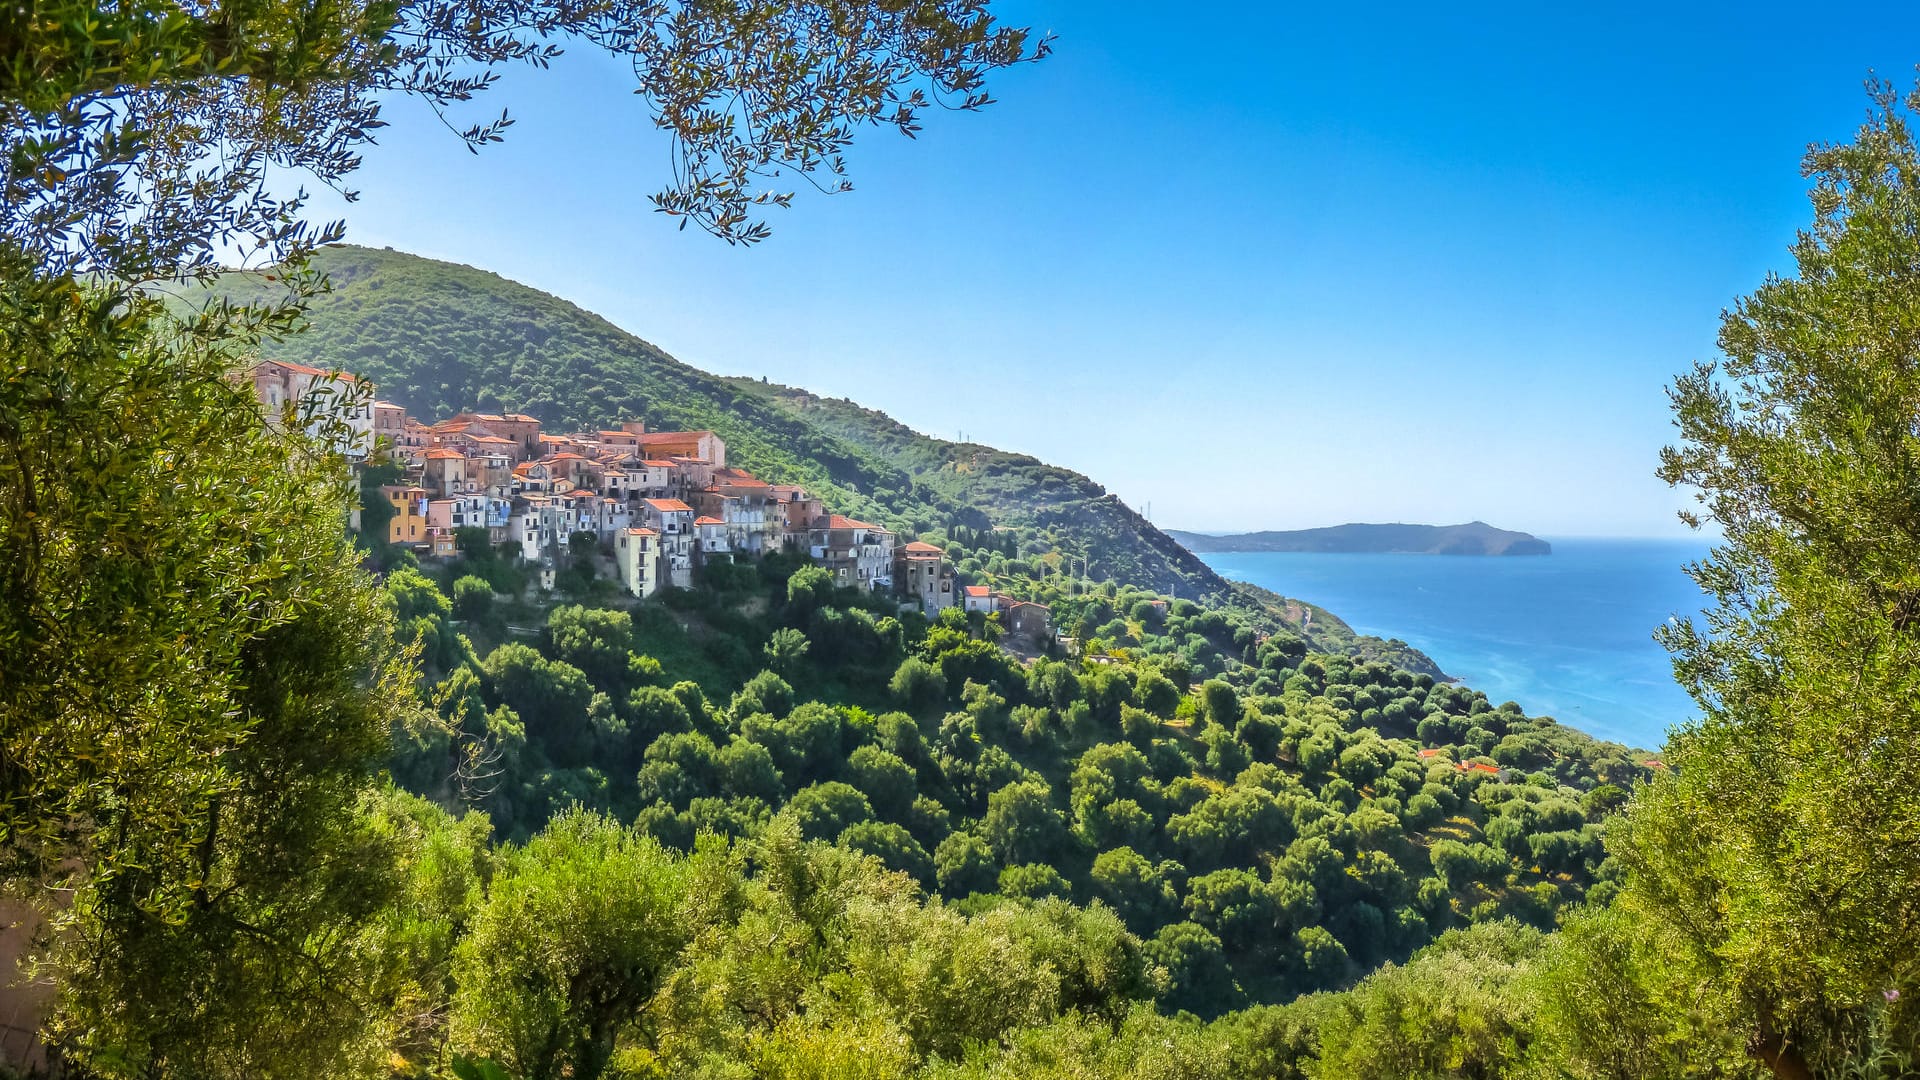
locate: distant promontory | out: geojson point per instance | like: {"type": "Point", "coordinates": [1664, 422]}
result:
{"type": "Point", "coordinates": [1473, 538]}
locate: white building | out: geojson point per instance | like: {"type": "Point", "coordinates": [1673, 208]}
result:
{"type": "Point", "coordinates": [295, 396]}
{"type": "Point", "coordinates": [711, 536]}
{"type": "Point", "coordinates": [855, 552]}
{"type": "Point", "coordinates": [611, 518]}
{"type": "Point", "coordinates": [673, 521]}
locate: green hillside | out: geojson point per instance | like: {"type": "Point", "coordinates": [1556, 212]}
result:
{"type": "Point", "coordinates": [440, 338]}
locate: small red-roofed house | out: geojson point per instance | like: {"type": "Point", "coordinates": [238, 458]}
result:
{"type": "Point", "coordinates": [858, 554]}
{"type": "Point", "coordinates": [921, 572]}
{"type": "Point", "coordinates": [1029, 620]}
{"type": "Point", "coordinates": [710, 535]}
{"type": "Point", "coordinates": [522, 429]}
{"type": "Point", "coordinates": [672, 519]}
{"type": "Point", "coordinates": [649, 478]}
{"type": "Point", "coordinates": [445, 473]}
{"type": "Point", "coordinates": [704, 445]}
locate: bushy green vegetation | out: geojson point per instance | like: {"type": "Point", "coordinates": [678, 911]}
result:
{"type": "Point", "coordinates": [862, 845]}
{"type": "Point", "coordinates": [1262, 817]}
{"type": "Point", "coordinates": [594, 950]}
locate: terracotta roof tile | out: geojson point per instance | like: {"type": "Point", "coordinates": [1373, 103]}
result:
{"type": "Point", "coordinates": [302, 369]}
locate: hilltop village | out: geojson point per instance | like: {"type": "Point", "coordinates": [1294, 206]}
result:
{"type": "Point", "coordinates": [661, 504]}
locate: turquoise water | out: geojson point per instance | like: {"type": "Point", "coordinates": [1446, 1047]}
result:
{"type": "Point", "coordinates": [1568, 635]}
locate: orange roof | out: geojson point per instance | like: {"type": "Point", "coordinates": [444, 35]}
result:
{"type": "Point", "coordinates": [1477, 766]}
{"type": "Point", "coordinates": [708, 521]}
{"type": "Point", "coordinates": [301, 369]}
{"type": "Point", "coordinates": [1431, 753]}
{"type": "Point", "coordinates": [919, 547]}
{"type": "Point", "coordinates": [669, 506]}
{"type": "Point", "coordinates": [445, 455]}
{"type": "Point", "coordinates": [977, 590]}
{"type": "Point", "coordinates": [838, 521]}
{"type": "Point", "coordinates": [652, 464]}
{"type": "Point", "coordinates": [564, 456]}
{"type": "Point", "coordinates": [641, 531]}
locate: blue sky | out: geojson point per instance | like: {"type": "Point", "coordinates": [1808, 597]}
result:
{"type": "Point", "coordinates": [1284, 266]}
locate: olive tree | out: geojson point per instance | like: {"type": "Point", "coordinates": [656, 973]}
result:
{"type": "Point", "coordinates": [1782, 847]}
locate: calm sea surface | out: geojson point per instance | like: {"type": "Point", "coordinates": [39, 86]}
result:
{"type": "Point", "coordinates": [1568, 635]}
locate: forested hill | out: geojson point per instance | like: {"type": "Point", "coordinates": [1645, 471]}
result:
{"type": "Point", "coordinates": [1473, 538]}
{"type": "Point", "coordinates": [440, 338]}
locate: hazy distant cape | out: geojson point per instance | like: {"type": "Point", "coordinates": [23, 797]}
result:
{"type": "Point", "coordinates": [1473, 538]}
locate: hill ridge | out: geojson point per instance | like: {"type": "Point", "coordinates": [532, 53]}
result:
{"type": "Point", "coordinates": [440, 338]}
{"type": "Point", "coordinates": [1473, 538]}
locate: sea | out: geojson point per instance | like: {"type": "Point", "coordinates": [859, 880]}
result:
{"type": "Point", "coordinates": [1567, 635]}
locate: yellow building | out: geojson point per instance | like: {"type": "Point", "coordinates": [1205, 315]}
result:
{"type": "Point", "coordinates": [636, 560]}
{"type": "Point", "coordinates": [409, 523]}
